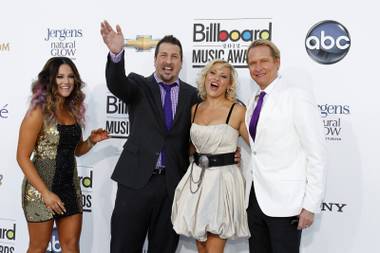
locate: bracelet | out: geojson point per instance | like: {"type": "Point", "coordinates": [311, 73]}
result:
{"type": "Point", "coordinates": [90, 143]}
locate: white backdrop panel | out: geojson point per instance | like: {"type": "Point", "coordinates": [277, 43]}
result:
{"type": "Point", "coordinates": [348, 222]}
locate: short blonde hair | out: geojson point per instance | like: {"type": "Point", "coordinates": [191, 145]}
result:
{"type": "Point", "coordinates": [275, 52]}
{"type": "Point", "coordinates": [231, 93]}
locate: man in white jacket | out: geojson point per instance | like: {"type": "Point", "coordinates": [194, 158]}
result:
{"type": "Point", "coordinates": [286, 177]}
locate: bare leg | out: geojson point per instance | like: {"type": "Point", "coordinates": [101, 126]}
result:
{"type": "Point", "coordinates": [201, 246]}
{"type": "Point", "coordinates": [215, 244]}
{"type": "Point", "coordinates": [39, 236]}
{"type": "Point", "coordinates": [69, 229]}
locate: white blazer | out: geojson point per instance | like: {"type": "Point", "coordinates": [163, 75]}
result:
{"type": "Point", "coordinates": [287, 161]}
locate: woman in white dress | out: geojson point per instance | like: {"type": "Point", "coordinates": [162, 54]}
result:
{"type": "Point", "coordinates": [209, 200]}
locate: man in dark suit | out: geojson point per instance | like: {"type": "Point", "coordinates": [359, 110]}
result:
{"type": "Point", "coordinates": [155, 157]}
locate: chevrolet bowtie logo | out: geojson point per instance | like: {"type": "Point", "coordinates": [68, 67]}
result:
{"type": "Point", "coordinates": [141, 43]}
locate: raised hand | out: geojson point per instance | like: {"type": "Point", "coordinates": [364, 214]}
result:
{"type": "Point", "coordinates": [113, 39]}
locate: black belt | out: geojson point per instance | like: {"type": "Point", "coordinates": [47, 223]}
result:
{"type": "Point", "coordinates": [205, 160]}
{"type": "Point", "coordinates": [159, 170]}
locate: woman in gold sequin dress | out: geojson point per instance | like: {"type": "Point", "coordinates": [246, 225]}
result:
{"type": "Point", "coordinates": [50, 137]}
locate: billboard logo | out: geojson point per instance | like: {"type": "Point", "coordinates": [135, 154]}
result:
{"type": "Point", "coordinates": [7, 235]}
{"type": "Point", "coordinates": [86, 178]}
{"type": "Point", "coordinates": [212, 33]}
{"type": "Point", "coordinates": [227, 39]}
{"type": "Point", "coordinates": [327, 42]}
{"type": "Point", "coordinates": [7, 249]}
{"type": "Point", "coordinates": [117, 123]}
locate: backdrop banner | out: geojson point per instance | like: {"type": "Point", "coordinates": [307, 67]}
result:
{"type": "Point", "coordinates": [326, 46]}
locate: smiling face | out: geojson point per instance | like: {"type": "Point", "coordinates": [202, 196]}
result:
{"type": "Point", "coordinates": [65, 80]}
{"type": "Point", "coordinates": [263, 67]}
{"type": "Point", "coordinates": [168, 62]}
{"type": "Point", "coordinates": [218, 80]}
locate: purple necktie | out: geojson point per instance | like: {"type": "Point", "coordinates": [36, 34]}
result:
{"type": "Point", "coordinates": [168, 111]}
{"type": "Point", "coordinates": [168, 114]}
{"type": "Point", "coordinates": [255, 116]}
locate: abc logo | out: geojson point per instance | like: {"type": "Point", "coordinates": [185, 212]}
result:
{"type": "Point", "coordinates": [54, 246]}
{"type": "Point", "coordinates": [327, 42]}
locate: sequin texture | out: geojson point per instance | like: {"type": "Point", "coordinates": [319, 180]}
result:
{"type": "Point", "coordinates": [55, 162]}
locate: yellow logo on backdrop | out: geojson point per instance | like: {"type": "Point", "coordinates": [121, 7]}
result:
{"type": "Point", "coordinates": [141, 43]}
{"type": "Point", "coordinates": [5, 46]}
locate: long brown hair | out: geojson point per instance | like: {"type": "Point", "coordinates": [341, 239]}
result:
{"type": "Point", "coordinates": [45, 94]}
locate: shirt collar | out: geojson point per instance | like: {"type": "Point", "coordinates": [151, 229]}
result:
{"type": "Point", "coordinates": [270, 87]}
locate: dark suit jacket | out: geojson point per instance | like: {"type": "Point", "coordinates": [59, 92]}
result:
{"type": "Point", "coordinates": [148, 134]}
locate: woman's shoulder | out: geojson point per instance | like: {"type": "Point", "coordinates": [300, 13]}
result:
{"type": "Point", "coordinates": [35, 112]}
{"type": "Point", "coordinates": [239, 107]}
{"type": "Point", "coordinates": [238, 112]}
{"type": "Point", "coordinates": [194, 106]}
{"type": "Point", "coordinates": [34, 118]}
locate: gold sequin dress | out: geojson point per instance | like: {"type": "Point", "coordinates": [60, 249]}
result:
{"type": "Point", "coordinates": [54, 159]}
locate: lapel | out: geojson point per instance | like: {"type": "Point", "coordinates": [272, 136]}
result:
{"type": "Point", "coordinates": [156, 104]}
{"type": "Point", "coordinates": [267, 110]}
{"type": "Point", "coordinates": [182, 95]}
{"type": "Point", "coordinates": [248, 113]}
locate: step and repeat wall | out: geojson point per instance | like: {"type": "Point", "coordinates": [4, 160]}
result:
{"type": "Point", "coordinates": [327, 46]}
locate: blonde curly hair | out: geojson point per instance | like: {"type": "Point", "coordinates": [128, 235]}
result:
{"type": "Point", "coordinates": [231, 92]}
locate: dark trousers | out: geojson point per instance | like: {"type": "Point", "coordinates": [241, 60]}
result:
{"type": "Point", "coordinates": [271, 234]}
{"type": "Point", "coordinates": [141, 212]}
